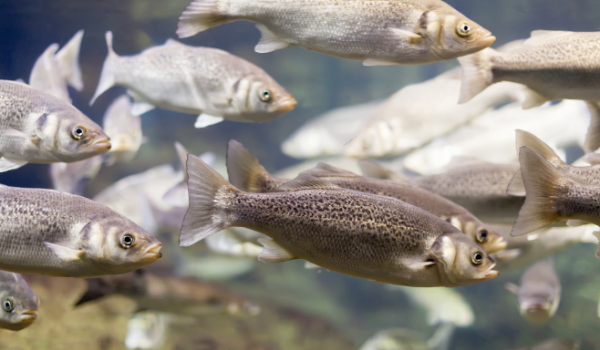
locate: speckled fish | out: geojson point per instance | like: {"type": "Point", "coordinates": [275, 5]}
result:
{"type": "Point", "coordinates": [74, 177]}
{"type": "Point", "coordinates": [358, 234]}
{"type": "Point", "coordinates": [124, 130]}
{"type": "Point", "coordinates": [184, 296]}
{"type": "Point", "coordinates": [478, 187]}
{"type": "Point", "coordinates": [246, 173]}
{"type": "Point", "coordinates": [539, 292]}
{"type": "Point", "coordinates": [53, 233]}
{"type": "Point", "coordinates": [198, 80]}
{"type": "Point", "coordinates": [53, 71]}
{"type": "Point", "coordinates": [18, 303]}
{"type": "Point", "coordinates": [553, 64]}
{"type": "Point", "coordinates": [378, 33]}
{"type": "Point", "coordinates": [36, 127]}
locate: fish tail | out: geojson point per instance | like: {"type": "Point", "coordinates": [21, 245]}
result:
{"type": "Point", "coordinates": [592, 138]}
{"type": "Point", "coordinates": [107, 77]}
{"type": "Point", "coordinates": [199, 16]}
{"type": "Point", "coordinates": [68, 58]}
{"type": "Point", "coordinates": [245, 172]}
{"type": "Point", "coordinates": [371, 169]}
{"type": "Point", "coordinates": [204, 216]}
{"type": "Point", "coordinates": [540, 179]}
{"type": "Point", "coordinates": [477, 73]}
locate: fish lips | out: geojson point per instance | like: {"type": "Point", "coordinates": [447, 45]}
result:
{"type": "Point", "coordinates": [286, 104]}
{"type": "Point", "coordinates": [484, 41]}
{"type": "Point", "coordinates": [152, 253]}
{"type": "Point", "coordinates": [500, 244]}
{"type": "Point", "coordinates": [101, 145]}
{"type": "Point", "coordinates": [24, 320]}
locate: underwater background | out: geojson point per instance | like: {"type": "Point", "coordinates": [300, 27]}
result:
{"type": "Point", "coordinates": [301, 309]}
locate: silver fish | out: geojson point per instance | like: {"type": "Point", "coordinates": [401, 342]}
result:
{"type": "Point", "coordinates": [74, 177]}
{"type": "Point", "coordinates": [124, 130]}
{"type": "Point", "coordinates": [18, 303]}
{"type": "Point", "coordinates": [539, 292]}
{"type": "Point", "coordinates": [381, 33]}
{"type": "Point", "coordinates": [196, 80]}
{"type": "Point", "coordinates": [246, 173]}
{"type": "Point", "coordinates": [53, 233]}
{"type": "Point", "coordinates": [36, 127]}
{"type": "Point", "coordinates": [477, 186]}
{"type": "Point", "coordinates": [372, 237]}
{"type": "Point", "coordinates": [553, 64]}
{"type": "Point", "coordinates": [53, 71]}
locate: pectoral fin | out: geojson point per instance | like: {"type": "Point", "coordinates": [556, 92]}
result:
{"type": "Point", "coordinates": [273, 252]}
{"type": "Point", "coordinates": [205, 120]}
{"type": "Point", "coordinates": [411, 37]}
{"type": "Point", "coordinates": [17, 133]}
{"type": "Point", "coordinates": [7, 164]}
{"type": "Point", "coordinates": [65, 253]}
{"type": "Point", "coordinates": [421, 264]}
{"type": "Point", "coordinates": [141, 107]}
{"type": "Point", "coordinates": [269, 42]}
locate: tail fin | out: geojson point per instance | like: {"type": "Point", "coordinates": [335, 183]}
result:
{"type": "Point", "coordinates": [68, 59]}
{"type": "Point", "coordinates": [477, 73]}
{"type": "Point", "coordinates": [107, 77]}
{"type": "Point", "coordinates": [371, 169]}
{"type": "Point", "coordinates": [203, 218]}
{"type": "Point", "coordinates": [540, 179]}
{"type": "Point", "coordinates": [199, 16]}
{"type": "Point", "coordinates": [96, 288]}
{"type": "Point", "coordinates": [244, 170]}
{"type": "Point", "coordinates": [592, 138]}
{"type": "Point", "coordinates": [527, 139]}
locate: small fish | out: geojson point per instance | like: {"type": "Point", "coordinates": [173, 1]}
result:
{"type": "Point", "coordinates": [147, 330]}
{"type": "Point", "coordinates": [327, 134]}
{"type": "Point", "coordinates": [73, 177]}
{"type": "Point", "coordinates": [18, 303]}
{"type": "Point", "coordinates": [368, 236]}
{"type": "Point", "coordinates": [36, 127]}
{"type": "Point", "coordinates": [553, 64]}
{"type": "Point", "coordinates": [53, 233]}
{"type": "Point", "coordinates": [124, 130]}
{"type": "Point", "coordinates": [539, 293]}
{"type": "Point", "coordinates": [53, 71]}
{"type": "Point", "coordinates": [175, 295]}
{"type": "Point", "coordinates": [381, 33]}
{"type": "Point", "coordinates": [196, 80]}
{"type": "Point", "coordinates": [479, 187]}
{"type": "Point", "coordinates": [246, 173]}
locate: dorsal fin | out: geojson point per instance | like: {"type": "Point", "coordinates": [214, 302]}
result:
{"type": "Point", "coordinates": [325, 170]}
{"type": "Point", "coordinates": [306, 182]}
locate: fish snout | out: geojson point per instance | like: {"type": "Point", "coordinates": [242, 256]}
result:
{"type": "Point", "coordinates": [497, 246]}
{"type": "Point", "coordinates": [102, 144]}
{"type": "Point", "coordinates": [286, 104]}
{"type": "Point", "coordinates": [486, 40]}
{"type": "Point", "coordinates": [152, 253]}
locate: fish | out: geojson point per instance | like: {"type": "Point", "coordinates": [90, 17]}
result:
{"type": "Point", "coordinates": [367, 236]}
{"type": "Point", "coordinates": [247, 174]}
{"type": "Point", "coordinates": [147, 330]}
{"type": "Point", "coordinates": [479, 187]}
{"type": "Point", "coordinates": [74, 177]}
{"type": "Point", "coordinates": [382, 33]}
{"type": "Point", "coordinates": [491, 137]}
{"type": "Point", "coordinates": [198, 80]}
{"type": "Point", "coordinates": [174, 295]}
{"type": "Point", "coordinates": [327, 134]}
{"type": "Point", "coordinates": [53, 70]}
{"type": "Point", "coordinates": [405, 339]}
{"type": "Point", "coordinates": [36, 127]}
{"type": "Point", "coordinates": [539, 292]}
{"type": "Point", "coordinates": [408, 119]}
{"type": "Point", "coordinates": [552, 64]}
{"type": "Point", "coordinates": [124, 130]}
{"type": "Point", "coordinates": [53, 233]}
{"type": "Point", "coordinates": [18, 303]}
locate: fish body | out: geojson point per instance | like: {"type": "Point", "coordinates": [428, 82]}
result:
{"type": "Point", "coordinates": [553, 64]}
{"type": "Point", "coordinates": [362, 235]}
{"type": "Point", "coordinates": [36, 127]}
{"type": "Point", "coordinates": [246, 173]}
{"type": "Point", "coordinates": [380, 32]}
{"type": "Point", "coordinates": [195, 80]}
{"type": "Point", "coordinates": [124, 130]}
{"type": "Point", "coordinates": [74, 177]}
{"type": "Point", "coordinates": [58, 234]}
{"type": "Point", "coordinates": [18, 303]}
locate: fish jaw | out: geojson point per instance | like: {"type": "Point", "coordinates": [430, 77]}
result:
{"type": "Point", "coordinates": [101, 146]}
{"type": "Point", "coordinates": [151, 254]}
{"type": "Point", "coordinates": [24, 320]}
{"type": "Point", "coordinates": [286, 105]}
{"type": "Point", "coordinates": [486, 40]}
{"type": "Point", "coordinates": [496, 246]}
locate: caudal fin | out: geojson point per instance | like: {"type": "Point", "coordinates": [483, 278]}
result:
{"type": "Point", "coordinates": [107, 77]}
{"type": "Point", "coordinates": [244, 170]}
{"type": "Point", "coordinates": [477, 73]}
{"type": "Point", "coordinates": [540, 179]}
{"type": "Point", "coordinates": [527, 139]}
{"type": "Point", "coordinates": [68, 60]}
{"type": "Point", "coordinates": [592, 138]}
{"type": "Point", "coordinates": [199, 16]}
{"type": "Point", "coordinates": [203, 217]}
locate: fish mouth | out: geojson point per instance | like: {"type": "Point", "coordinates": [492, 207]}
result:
{"type": "Point", "coordinates": [102, 144]}
{"type": "Point", "coordinates": [500, 244]}
{"type": "Point", "coordinates": [287, 104]}
{"type": "Point", "coordinates": [152, 253]}
{"type": "Point", "coordinates": [485, 41]}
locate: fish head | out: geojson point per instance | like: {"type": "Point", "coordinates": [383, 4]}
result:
{"type": "Point", "coordinates": [452, 35]}
{"type": "Point", "coordinates": [262, 99]}
{"type": "Point", "coordinates": [537, 309]}
{"type": "Point", "coordinates": [461, 261]}
{"type": "Point", "coordinates": [117, 245]}
{"type": "Point", "coordinates": [70, 136]}
{"type": "Point", "coordinates": [18, 304]}
{"type": "Point", "coordinates": [483, 236]}
{"type": "Point", "coordinates": [376, 141]}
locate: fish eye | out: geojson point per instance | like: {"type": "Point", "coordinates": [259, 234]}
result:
{"type": "Point", "coordinates": [482, 236]}
{"type": "Point", "coordinates": [264, 95]}
{"type": "Point", "coordinates": [128, 240]}
{"type": "Point", "coordinates": [78, 132]}
{"type": "Point", "coordinates": [463, 29]}
{"type": "Point", "coordinates": [477, 258]}
{"type": "Point", "coordinates": [8, 305]}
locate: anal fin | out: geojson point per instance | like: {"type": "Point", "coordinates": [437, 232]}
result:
{"type": "Point", "coordinates": [273, 252]}
{"type": "Point", "coordinates": [534, 99]}
{"type": "Point", "coordinates": [205, 120]}
{"type": "Point", "coordinates": [269, 42]}
{"type": "Point", "coordinates": [7, 164]}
